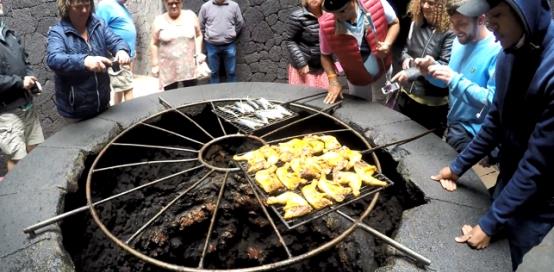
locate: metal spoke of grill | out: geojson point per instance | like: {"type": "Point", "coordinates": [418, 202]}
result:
{"type": "Point", "coordinates": [303, 119]}
{"type": "Point", "coordinates": [311, 133]}
{"type": "Point", "coordinates": [212, 221]}
{"type": "Point", "coordinates": [156, 147]}
{"type": "Point", "coordinates": [399, 142]}
{"type": "Point", "coordinates": [412, 254]}
{"type": "Point", "coordinates": [172, 133]}
{"type": "Point", "coordinates": [166, 207]}
{"type": "Point", "coordinates": [218, 119]}
{"type": "Point", "coordinates": [141, 163]}
{"type": "Point", "coordinates": [167, 105]}
{"type": "Point", "coordinates": [59, 217]}
{"type": "Point", "coordinates": [260, 201]}
{"type": "Point", "coordinates": [303, 98]}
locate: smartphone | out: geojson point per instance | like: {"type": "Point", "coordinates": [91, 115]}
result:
{"type": "Point", "coordinates": [115, 66]}
{"type": "Point", "coordinates": [390, 87]}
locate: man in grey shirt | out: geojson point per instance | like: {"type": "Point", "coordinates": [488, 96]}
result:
{"type": "Point", "coordinates": [221, 22]}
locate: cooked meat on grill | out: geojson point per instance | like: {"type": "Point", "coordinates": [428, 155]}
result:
{"type": "Point", "coordinates": [260, 158]}
{"type": "Point", "coordinates": [316, 198]}
{"type": "Point", "coordinates": [308, 167]}
{"type": "Point", "coordinates": [295, 205]}
{"type": "Point", "coordinates": [291, 180]}
{"type": "Point", "coordinates": [366, 171]}
{"type": "Point", "coordinates": [333, 190]}
{"type": "Point", "coordinates": [267, 179]}
{"type": "Point", "coordinates": [353, 156]}
{"type": "Point", "coordinates": [331, 142]}
{"type": "Point", "coordinates": [315, 144]}
{"type": "Point", "coordinates": [353, 180]}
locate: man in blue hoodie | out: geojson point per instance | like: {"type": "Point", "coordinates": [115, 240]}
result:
{"type": "Point", "coordinates": [521, 119]}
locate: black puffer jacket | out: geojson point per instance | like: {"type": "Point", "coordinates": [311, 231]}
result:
{"type": "Point", "coordinates": [302, 39]}
{"type": "Point", "coordinates": [435, 44]}
{"type": "Point", "coordinates": [13, 68]}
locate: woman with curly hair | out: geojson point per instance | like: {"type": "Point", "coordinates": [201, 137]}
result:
{"type": "Point", "coordinates": [428, 35]}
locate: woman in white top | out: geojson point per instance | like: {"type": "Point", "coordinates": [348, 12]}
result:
{"type": "Point", "coordinates": [176, 46]}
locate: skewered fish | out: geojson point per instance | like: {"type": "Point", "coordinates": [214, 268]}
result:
{"type": "Point", "coordinates": [264, 103]}
{"type": "Point", "coordinates": [244, 107]}
{"type": "Point", "coordinates": [267, 179]}
{"type": "Point", "coordinates": [295, 205]}
{"type": "Point", "coordinates": [317, 199]}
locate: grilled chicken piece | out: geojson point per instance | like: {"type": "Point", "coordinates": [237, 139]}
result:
{"type": "Point", "coordinates": [260, 158]}
{"type": "Point", "coordinates": [316, 145]}
{"type": "Point", "coordinates": [366, 171]}
{"type": "Point", "coordinates": [291, 180]}
{"type": "Point", "coordinates": [307, 167]}
{"type": "Point", "coordinates": [353, 180]}
{"type": "Point", "coordinates": [353, 156]}
{"type": "Point", "coordinates": [317, 199]}
{"type": "Point", "coordinates": [267, 179]}
{"type": "Point", "coordinates": [295, 205]}
{"type": "Point", "coordinates": [332, 160]}
{"type": "Point", "coordinates": [333, 190]}
{"type": "Point", "coordinates": [331, 142]}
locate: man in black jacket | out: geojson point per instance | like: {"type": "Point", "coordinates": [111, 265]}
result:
{"type": "Point", "coordinates": [20, 128]}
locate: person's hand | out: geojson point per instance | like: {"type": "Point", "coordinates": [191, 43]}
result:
{"type": "Point", "coordinates": [200, 58]}
{"type": "Point", "coordinates": [97, 64]}
{"type": "Point", "coordinates": [334, 92]}
{"type": "Point", "coordinates": [401, 77]}
{"type": "Point", "coordinates": [304, 70]}
{"type": "Point", "coordinates": [423, 63]}
{"type": "Point", "coordinates": [446, 178]}
{"type": "Point", "coordinates": [441, 72]}
{"type": "Point", "coordinates": [155, 71]}
{"type": "Point", "coordinates": [407, 63]}
{"type": "Point", "coordinates": [475, 237]}
{"type": "Point", "coordinates": [29, 82]}
{"type": "Point", "coordinates": [382, 49]}
{"type": "Point", "coordinates": [122, 57]}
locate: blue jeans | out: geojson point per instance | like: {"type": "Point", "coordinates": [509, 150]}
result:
{"type": "Point", "coordinates": [227, 52]}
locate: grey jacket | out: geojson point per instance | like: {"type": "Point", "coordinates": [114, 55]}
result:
{"type": "Point", "coordinates": [220, 23]}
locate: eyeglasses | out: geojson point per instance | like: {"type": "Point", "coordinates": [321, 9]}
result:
{"type": "Point", "coordinates": [80, 5]}
{"type": "Point", "coordinates": [173, 3]}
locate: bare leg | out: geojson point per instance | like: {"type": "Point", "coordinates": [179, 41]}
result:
{"type": "Point", "coordinates": [128, 94]}
{"type": "Point", "coordinates": [11, 164]}
{"type": "Point", "coordinates": [117, 98]}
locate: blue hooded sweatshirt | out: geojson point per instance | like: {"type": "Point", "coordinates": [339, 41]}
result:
{"type": "Point", "coordinates": [521, 120]}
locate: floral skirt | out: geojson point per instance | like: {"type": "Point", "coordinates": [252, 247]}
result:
{"type": "Point", "coordinates": [313, 79]}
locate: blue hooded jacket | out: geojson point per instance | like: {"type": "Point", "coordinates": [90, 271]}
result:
{"type": "Point", "coordinates": [81, 93]}
{"type": "Point", "coordinates": [521, 120]}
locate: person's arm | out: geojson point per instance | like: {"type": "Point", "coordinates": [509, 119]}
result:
{"type": "Point", "coordinates": [154, 48]}
{"type": "Point", "coordinates": [533, 172]}
{"type": "Point", "coordinates": [239, 21]}
{"type": "Point", "coordinates": [116, 45]}
{"type": "Point", "coordinates": [202, 19]}
{"type": "Point", "coordinates": [472, 93]}
{"type": "Point", "coordinates": [198, 39]}
{"type": "Point", "coordinates": [335, 89]}
{"type": "Point", "coordinates": [294, 30]}
{"type": "Point", "coordinates": [57, 57]}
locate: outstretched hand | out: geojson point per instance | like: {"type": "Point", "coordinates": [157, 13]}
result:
{"type": "Point", "coordinates": [475, 237]}
{"type": "Point", "coordinates": [423, 64]}
{"type": "Point", "coordinates": [446, 178]}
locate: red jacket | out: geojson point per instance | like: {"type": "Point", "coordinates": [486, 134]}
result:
{"type": "Point", "coordinates": [346, 48]}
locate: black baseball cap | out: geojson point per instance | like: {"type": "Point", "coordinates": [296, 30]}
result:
{"type": "Point", "coordinates": [334, 5]}
{"type": "Point", "coordinates": [474, 8]}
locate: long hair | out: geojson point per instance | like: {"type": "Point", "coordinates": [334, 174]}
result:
{"type": "Point", "coordinates": [442, 20]}
{"type": "Point", "coordinates": [65, 5]}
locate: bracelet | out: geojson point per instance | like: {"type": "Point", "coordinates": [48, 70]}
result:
{"type": "Point", "coordinates": [332, 76]}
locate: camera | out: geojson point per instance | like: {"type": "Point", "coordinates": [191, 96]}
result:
{"type": "Point", "coordinates": [390, 87]}
{"type": "Point", "coordinates": [115, 66]}
{"type": "Point", "coordinates": [37, 89]}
